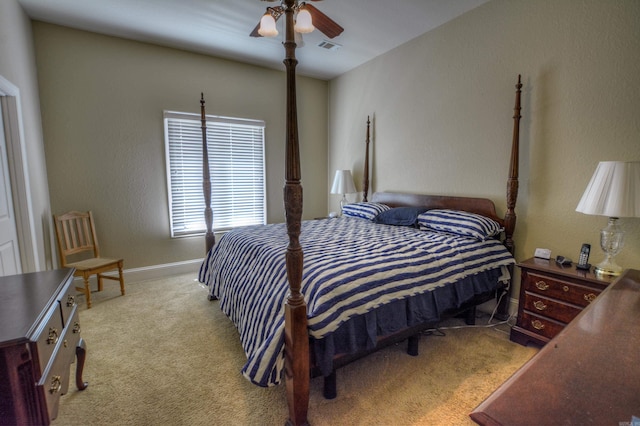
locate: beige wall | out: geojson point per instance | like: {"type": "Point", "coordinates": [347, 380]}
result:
{"type": "Point", "coordinates": [442, 108]}
{"type": "Point", "coordinates": [17, 65]}
{"type": "Point", "coordinates": [102, 100]}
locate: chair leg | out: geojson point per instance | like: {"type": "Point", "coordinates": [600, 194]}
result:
{"type": "Point", "coordinates": [120, 264]}
{"type": "Point", "coordinates": [87, 291]}
{"type": "Point", "coordinates": [99, 276]}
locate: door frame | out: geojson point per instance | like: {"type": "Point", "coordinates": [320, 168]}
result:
{"type": "Point", "coordinates": [19, 174]}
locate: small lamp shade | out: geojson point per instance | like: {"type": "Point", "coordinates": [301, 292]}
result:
{"type": "Point", "coordinates": [614, 190]}
{"type": "Point", "coordinates": [343, 184]}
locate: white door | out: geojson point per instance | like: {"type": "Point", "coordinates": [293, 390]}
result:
{"type": "Point", "coordinates": [9, 249]}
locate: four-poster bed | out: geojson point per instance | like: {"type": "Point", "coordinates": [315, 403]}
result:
{"type": "Point", "coordinates": [311, 350]}
{"type": "Point", "coordinates": [292, 327]}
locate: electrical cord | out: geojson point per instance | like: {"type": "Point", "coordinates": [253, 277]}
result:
{"type": "Point", "coordinates": [439, 331]}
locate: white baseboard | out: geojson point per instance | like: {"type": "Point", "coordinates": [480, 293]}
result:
{"type": "Point", "coordinates": [157, 271]}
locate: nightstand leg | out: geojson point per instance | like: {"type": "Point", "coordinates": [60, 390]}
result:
{"type": "Point", "coordinates": [81, 354]}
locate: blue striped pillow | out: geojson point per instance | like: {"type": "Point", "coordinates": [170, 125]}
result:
{"type": "Point", "coordinates": [459, 223]}
{"type": "Point", "coordinates": [364, 210]}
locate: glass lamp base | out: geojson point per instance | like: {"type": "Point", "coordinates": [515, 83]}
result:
{"type": "Point", "coordinates": [607, 267]}
{"type": "Point", "coordinates": [611, 241]}
{"type": "Point", "coordinates": [343, 203]}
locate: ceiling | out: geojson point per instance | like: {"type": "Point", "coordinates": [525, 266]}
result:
{"type": "Point", "coordinates": [221, 27]}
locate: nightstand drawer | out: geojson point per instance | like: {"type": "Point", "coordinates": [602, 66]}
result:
{"type": "Point", "coordinates": [550, 308]}
{"type": "Point", "coordinates": [560, 289]}
{"type": "Point", "coordinates": [540, 325]}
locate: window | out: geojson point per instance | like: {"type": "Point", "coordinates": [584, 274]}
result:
{"type": "Point", "coordinates": [236, 162]}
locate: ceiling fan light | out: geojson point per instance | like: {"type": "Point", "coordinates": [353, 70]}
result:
{"type": "Point", "coordinates": [267, 26]}
{"type": "Point", "coordinates": [303, 22]}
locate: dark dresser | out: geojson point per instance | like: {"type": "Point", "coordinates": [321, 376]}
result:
{"type": "Point", "coordinates": [39, 339]}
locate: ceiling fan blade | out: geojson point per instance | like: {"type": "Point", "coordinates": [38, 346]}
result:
{"type": "Point", "coordinates": [255, 33]}
{"type": "Point", "coordinates": [323, 23]}
{"type": "Point", "coordinates": [275, 15]}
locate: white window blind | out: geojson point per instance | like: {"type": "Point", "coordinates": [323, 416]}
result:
{"type": "Point", "coordinates": [236, 166]}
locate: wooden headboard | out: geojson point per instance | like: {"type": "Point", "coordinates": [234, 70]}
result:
{"type": "Point", "coordinates": [482, 206]}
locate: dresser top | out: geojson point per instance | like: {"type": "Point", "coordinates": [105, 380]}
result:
{"type": "Point", "coordinates": [25, 299]}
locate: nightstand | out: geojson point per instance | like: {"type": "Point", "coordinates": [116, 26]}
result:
{"type": "Point", "coordinates": [551, 295]}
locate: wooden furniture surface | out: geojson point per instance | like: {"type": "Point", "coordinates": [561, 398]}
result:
{"type": "Point", "coordinates": [39, 338]}
{"type": "Point", "coordinates": [79, 249]}
{"type": "Point", "coordinates": [551, 295]}
{"type": "Point", "coordinates": [587, 375]}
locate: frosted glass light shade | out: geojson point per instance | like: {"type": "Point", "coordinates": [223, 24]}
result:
{"type": "Point", "coordinates": [267, 26]}
{"type": "Point", "coordinates": [614, 190]}
{"type": "Point", "coordinates": [303, 22]}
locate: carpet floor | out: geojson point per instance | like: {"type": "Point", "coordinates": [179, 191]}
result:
{"type": "Point", "coordinates": [165, 355]}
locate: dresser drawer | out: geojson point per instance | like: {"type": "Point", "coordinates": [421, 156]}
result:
{"type": "Point", "coordinates": [55, 380]}
{"type": "Point", "coordinates": [550, 308]}
{"type": "Point", "coordinates": [48, 337]}
{"type": "Point", "coordinates": [559, 289]}
{"type": "Point", "coordinates": [71, 336]}
{"type": "Point", "coordinates": [540, 325]}
{"type": "Point", "coordinates": [67, 301]}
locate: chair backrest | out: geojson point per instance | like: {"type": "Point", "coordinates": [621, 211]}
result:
{"type": "Point", "coordinates": [76, 236]}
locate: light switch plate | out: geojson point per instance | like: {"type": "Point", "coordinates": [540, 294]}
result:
{"type": "Point", "coordinates": [543, 253]}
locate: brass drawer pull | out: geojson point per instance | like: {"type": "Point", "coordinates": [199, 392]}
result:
{"type": "Point", "coordinates": [53, 336]}
{"type": "Point", "coordinates": [71, 301]}
{"type": "Point", "coordinates": [565, 288]}
{"type": "Point", "coordinates": [542, 285]}
{"type": "Point", "coordinates": [539, 305]}
{"type": "Point", "coordinates": [590, 297]}
{"type": "Point", "coordinates": [537, 325]}
{"type": "Point", "coordinates": [76, 327]}
{"type": "Point", "coordinates": [56, 384]}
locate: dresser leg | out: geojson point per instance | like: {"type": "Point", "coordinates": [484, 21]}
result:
{"type": "Point", "coordinates": [81, 353]}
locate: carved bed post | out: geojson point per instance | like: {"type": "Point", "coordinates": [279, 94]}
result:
{"type": "Point", "coordinates": [210, 239]}
{"type": "Point", "coordinates": [296, 334]}
{"type": "Point", "coordinates": [365, 189]}
{"type": "Point", "coordinates": [512, 182]}
{"type": "Point", "coordinates": [512, 195]}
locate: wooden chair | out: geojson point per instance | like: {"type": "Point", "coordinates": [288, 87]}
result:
{"type": "Point", "coordinates": [78, 248]}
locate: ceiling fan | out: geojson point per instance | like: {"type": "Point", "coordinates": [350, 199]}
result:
{"type": "Point", "coordinates": [308, 17]}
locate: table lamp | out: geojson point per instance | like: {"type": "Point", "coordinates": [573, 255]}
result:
{"type": "Point", "coordinates": [343, 184]}
{"type": "Point", "coordinates": [614, 191]}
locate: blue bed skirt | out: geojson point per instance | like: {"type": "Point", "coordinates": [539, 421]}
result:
{"type": "Point", "coordinates": [361, 333]}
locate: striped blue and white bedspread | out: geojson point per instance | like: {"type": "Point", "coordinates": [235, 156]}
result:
{"type": "Point", "coordinates": [351, 266]}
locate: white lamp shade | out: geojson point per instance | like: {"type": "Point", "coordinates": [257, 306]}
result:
{"type": "Point", "coordinates": [303, 22]}
{"type": "Point", "coordinates": [614, 190]}
{"type": "Point", "coordinates": [343, 183]}
{"type": "Point", "coordinates": [267, 26]}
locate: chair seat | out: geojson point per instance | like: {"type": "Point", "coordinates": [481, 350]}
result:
{"type": "Point", "coordinates": [94, 263]}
